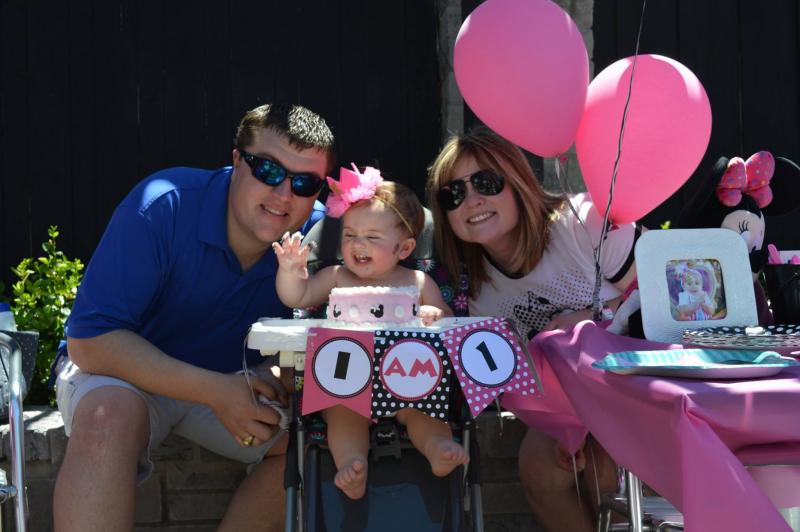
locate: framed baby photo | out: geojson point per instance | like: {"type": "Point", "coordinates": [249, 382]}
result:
{"type": "Point", "coordinates": [693, 278]}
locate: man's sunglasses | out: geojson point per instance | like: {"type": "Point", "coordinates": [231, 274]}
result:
{"type": "Point", "coordinates": [273, 174]}
{"type": "Point", "coordinates": [485, 182]}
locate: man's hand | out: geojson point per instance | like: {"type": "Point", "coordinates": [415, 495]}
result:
{"type": "Point", "coordinates": [292, 256]}
{"type": "Point", "coordinates": [428, 314]}
{"type": "Point", "coordinates": [231, 400]}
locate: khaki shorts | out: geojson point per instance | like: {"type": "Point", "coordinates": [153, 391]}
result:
{"type": "Point", "coordinates": [193, 421]}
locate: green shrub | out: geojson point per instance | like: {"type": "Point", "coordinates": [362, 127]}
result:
{"type": "Point", "coordinates": [43, 297]}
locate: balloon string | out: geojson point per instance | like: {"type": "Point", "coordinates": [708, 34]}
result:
{"type": "Point", "coordinates": [596, 310]}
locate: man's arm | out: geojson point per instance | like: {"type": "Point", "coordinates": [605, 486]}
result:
{"type": "Point", "coordinates": [127, 356]}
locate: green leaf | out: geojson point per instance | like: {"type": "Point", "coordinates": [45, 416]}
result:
{"type": "Point", "coordinates": [42, 299]}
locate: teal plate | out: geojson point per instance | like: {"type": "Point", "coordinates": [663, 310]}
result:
{"type": "Point", "coordinates": [697, 363]}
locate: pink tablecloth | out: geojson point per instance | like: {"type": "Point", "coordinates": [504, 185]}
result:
{"type": "Point", "coordinates": [677, 435]}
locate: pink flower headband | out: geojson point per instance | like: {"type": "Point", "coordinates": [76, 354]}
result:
{"type": "Point", "coordinates": [750, 177]}
{"type": "Point", "coordinates": [354, 186]}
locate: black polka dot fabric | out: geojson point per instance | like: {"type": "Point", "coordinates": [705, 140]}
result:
{"type": "Point", "coordinates": [410, 370]}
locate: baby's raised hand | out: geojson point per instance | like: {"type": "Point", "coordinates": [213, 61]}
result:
{"type": "Point", "coordinates": [292, 256]}
{"type": "Point", "coordinates": [428, 314]}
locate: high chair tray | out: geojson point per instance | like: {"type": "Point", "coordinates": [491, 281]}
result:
{"type": "Point", "coordinates": [696, 363]}
{"type": "Point", "coordinates": [270, 335]}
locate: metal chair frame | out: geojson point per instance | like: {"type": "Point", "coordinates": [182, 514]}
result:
{"type": "Point", "coordinates": [16, 491]}
{"type": "Point", "coordinates": [294, 476]}
{"type": "Point", "coordinates": [643, 513]}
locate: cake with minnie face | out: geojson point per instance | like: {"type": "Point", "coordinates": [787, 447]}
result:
{"type": "Point", "coordinates": [395, 305]}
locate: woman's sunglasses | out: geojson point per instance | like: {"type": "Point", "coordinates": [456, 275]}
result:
{"type": "Point", "coordinates": [485, 182]}
{"type": "Point", "coordinates": [273, 174]}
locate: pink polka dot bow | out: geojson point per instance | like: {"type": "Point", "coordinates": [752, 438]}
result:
{"type": "Point", "coordinates": [749, 177]}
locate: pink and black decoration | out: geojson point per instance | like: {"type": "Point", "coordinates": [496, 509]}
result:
{"type": "Point", "coordinates": [338, 370]}
{"type": "Point", "coordinates": [411, 370]}
{"type": "Point", "coordinates": [489, 360]}
{"type": "Point", "coordinates": [377, 373]}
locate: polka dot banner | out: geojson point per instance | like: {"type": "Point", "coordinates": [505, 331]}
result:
{"type": "Point", "coordinates": [410, 370]}
{"type": "Point", "coordinates": [489, 360]}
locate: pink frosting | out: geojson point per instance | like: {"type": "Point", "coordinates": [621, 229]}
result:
{"type": "Point", "coordinates": [374, 304]}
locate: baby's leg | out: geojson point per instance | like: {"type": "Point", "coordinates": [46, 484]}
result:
{"type": "Point", "coordinates": [348, 440]}
{"type": "Point", "coordinates": [433, 439]}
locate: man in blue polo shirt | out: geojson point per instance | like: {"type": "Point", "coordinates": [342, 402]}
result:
{"type": "Point", "coordinates": [155, 336]}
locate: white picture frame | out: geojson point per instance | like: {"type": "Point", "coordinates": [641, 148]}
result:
{"type": "Point", "coordinates": [666, 257]}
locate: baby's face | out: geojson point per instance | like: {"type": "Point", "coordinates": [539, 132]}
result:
{"type": "Point", "coordinates": [372, 242]}
{"type": "Point", "coordinates": [692, 284]}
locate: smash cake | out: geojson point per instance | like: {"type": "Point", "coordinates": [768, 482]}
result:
{"type": "Point", "coordinates": [383, 305]}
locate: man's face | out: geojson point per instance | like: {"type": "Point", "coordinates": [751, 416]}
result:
{"type": "Point", "coordinates": [259, 214]}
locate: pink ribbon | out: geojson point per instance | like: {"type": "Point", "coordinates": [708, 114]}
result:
{"type": "Point", "coordinates": [352, 187]}
{"type": "Point", "coordinates": [749, 177]}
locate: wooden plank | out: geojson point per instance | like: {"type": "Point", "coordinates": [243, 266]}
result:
{"type": "Point", "coordinates": [470, 118]}
{"type": "Point", "coordinates": [708, 40]}
{"type": "Point", "coordinates": [15, 226]}
{"type": "Point", "coordinates": [184, 72]}
{"type": "Point", "coordinates": [423, 105]}
{"type": "Point", "coordinates": [770, 43]}
{"type": "Point", "coordinates": [151, 66]}
{"type": "Point", "coordinates": [357, 110]}
{"type": "Point", "coordinates": [604, 28]}
{"type": "Point", "coordinates": [282, 55]}
{"type": "Point", "coordinates": [253, 53]}
{"type": "Point", "coordinates": [48, 131]}
{"type": "Point", "coordinates": [769, 77]}
{"type": "Point", "coordinates": [116, 104]}
{"type": "Point", "coordinates": [319, 85]}
{"type": "Point", "coordinates": [385, 72]}
{"type": "Point", "coordinates": [83, 156]}
{"type": "Point", "coordinates": [219, 126]}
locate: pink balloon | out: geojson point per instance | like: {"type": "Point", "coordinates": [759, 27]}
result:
{"type": "Point", "coordinates": [666, 134]}
{"type": "Point", "coordinates": [522, 68]}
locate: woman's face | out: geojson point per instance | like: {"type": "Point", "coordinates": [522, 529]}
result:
{"type": "Point", "coordinates": [486, 220]}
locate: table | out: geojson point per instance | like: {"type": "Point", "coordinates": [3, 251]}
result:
{"type": "Point", "coordinates": [678, 435]}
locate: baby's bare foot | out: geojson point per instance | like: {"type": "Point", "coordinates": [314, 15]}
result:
{"type": "Point", "coordinates": [352, 478]}
{"type": "Point", "coordinates": [444, 455]}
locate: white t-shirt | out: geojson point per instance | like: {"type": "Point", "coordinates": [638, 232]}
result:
{"type": "Point", "coordinates": [563, 280]}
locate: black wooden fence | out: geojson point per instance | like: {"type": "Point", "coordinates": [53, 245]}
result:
{"type": "Point", "coordinates": [745, 52]}
{"type": "Point", "coordinates": [95, 95]}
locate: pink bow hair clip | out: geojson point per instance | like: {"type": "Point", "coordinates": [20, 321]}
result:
{"type": "Point", "coordinates": [352, 187]}
{"type": "Point", "coordinates": [749, 177]}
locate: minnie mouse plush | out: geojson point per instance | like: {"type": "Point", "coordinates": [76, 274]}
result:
{"type": "Point", "coordinates": [735, 195]}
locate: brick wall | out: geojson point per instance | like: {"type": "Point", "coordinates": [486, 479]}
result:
{"type": "Point", "coordinates": [191, 487]}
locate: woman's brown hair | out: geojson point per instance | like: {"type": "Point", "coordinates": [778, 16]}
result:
{"type": "Point", "coordinates": [537, 207]}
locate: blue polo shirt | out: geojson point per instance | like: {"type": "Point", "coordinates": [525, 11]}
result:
{"type": "Point", "coordinates": [164, 270]}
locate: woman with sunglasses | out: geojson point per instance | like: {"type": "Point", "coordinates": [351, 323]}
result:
{"type": "Point", "coordinates": [529, 257]}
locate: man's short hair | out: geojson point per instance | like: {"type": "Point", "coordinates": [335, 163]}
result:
{"type": "Point", "coordinates": [303, 128]}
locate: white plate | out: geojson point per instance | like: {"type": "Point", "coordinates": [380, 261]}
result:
{"type": "Point", "coordinates": [781, 337]}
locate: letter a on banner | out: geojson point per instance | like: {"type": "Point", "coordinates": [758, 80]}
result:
{"type": "Point", "coordinates": [489, 360]}
{"type": "Point", "coordinates": [338, 370]}
{"type": "Point", "coordinates": [411, 370]}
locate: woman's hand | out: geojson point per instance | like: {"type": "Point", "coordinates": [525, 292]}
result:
{"type": "Point", "coordinates": [428, 314]}
{"type": "Point", "coordinates": [292, 256]}
{"type": "Point", "coordinates": [568, 320]}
